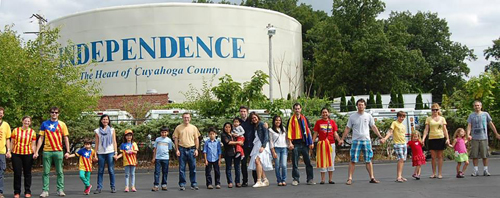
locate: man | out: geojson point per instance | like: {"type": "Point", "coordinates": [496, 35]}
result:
{"type": "Point", "coordinates": [52, 133]}
{"type": "Point", "coordinates": [300, 141]}
{"type": "Point", "coordinates": [360, 123]}
{"type": "Point", "coordinates": [477, 123]}
{"type": "Point", "coordinates": [246, 123]}
{"type": "Point", "coordinates": [187, 144]}
{"type": "Point", "coordinates": [4, 147]}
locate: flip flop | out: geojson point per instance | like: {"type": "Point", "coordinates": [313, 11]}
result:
{"type": "Point", "coordinates": [349, 182]}
{"type": "Point", "coordinates": [433, 177]}
{"type": "Point", "coordinates": [398, 180]}
{"type": "Point", "coordinates": [404, 179]}
{"type": "Point", "coordinates": [374, 181]}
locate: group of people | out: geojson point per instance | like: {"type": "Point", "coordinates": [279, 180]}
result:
{"type": "Point", "coordinates": [246, 144]}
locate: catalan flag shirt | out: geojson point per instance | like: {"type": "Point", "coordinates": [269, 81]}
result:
{"type": "Point", "coordinates": [53, 131]}
{"type": "Point", "coordinates": [129, 159]}
{"type": "Point", "coordinates": [23, 141]}
{"type": "Point", "coordinates": [4, 135]}
{"type": "Point", "coordinates": [86, 157]}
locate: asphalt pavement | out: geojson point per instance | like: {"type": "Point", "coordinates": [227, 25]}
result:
{"type": "Point", "coordinates": [449, 186]}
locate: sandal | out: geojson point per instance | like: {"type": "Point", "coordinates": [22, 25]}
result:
{"type": "Point", "coordinates": [440, 177]}
{"type": "Point", "coordinates": [331, 182]}
{"type": "Point", "coordinates": [322, 182]}
{"type": "Point", "coordinates": [349, 182]}
{"type": "Point", "coordinates": [284, 184]}
{"type": "Point", "coordinates": [433, 177]}
{"type": "Point", "coordinates": [404, 179]}
{"type": "Point", "coordinates": [374, 181]}
{"type": "Point", "coordinates": [399, 180]}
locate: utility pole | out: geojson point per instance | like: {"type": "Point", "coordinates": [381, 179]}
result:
{"type": "Point", "coordinates": [41, 23]}
{"type": "Point", "coordinates": [270, 32]}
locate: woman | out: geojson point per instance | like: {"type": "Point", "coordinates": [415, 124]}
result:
{"type": "Point", "coordinates": [229, 155]}
{"type": "Point", "coordinates": [23, 146]}
{"type": "Point", "coordinates": [279, 145]}
{"type": "Point", "coordinates": [435, 126]}
{"type": "Point", "coordinates": [326, 129]}
{"type": "Point", "coordinates": [260, 157]}
{"type": "Point", "coordinates": [105, 145]}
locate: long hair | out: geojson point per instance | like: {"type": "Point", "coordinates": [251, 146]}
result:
{"type": "Point", "coordinates": [281, 127]}
{"type": "Point", "coordinates": [436, 106]}
{"type": "Point", "coordinates": [258, 117]}
{"type": "Point", "coordinates": [224, 127]}
{"type": "Point", "coordinates": [100, 121]}
{"type": "Point", "coordinates": [457, 133]}
{"type": "Point", "coordinates": [416, 133]}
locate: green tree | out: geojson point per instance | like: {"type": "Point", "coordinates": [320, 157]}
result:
{"type": "Point", "coordinates": [393, 103]}
{"type": "Point", "coordinates": [228, 92]}
{"type": "Point", "coordinates": [371, 101]}
{"type": "Point", "coordinates": [419, 102]}
{"type": "Point", "coordinates": [379, 101]}
{"type": "Point", "coordinates": [343, 105]}
{"type": "Point", "coordinates": [252, 91]}
{"type": "Point", "coordinates": [493, 52]}
{"type": "Point", "coordinates": [401, 102]}
{"type": "Point", "coordinates": [36, 77]}
{"type": "Point", "coordinates": [351, 105]}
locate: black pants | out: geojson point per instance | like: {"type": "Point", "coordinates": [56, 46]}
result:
{"type": "Point", "coordinates": [208, 174]}
{"type": "Point", "coordinates": [244, 166]}
{"type": "Point", "coordinates": [22, 164]}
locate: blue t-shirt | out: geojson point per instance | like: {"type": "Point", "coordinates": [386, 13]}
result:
{"type": "Point", "coordinates": [479, 125]}
{"type": "Point", "coordinates": [162, 145]}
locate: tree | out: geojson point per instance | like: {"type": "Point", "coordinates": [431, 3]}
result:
{"type": "Point", "coordinates": [401, 102]}
{"type": "Point", "coordinates": [493, 53]}
{"type": "Point", "coordinates": [393, 103]}
{"type": "Point", "coordinates": [419, 102]}
{"type": "Point", "coordinates": [351, 105]}
{"type": "Point", "coordinates": [379, 101]}
{"type": "Point", "coordinates": [371, 101]}
{"type": "Point", "coordinates": [343, 105]}
{"type": "Point", "coordinates": [36, 77]}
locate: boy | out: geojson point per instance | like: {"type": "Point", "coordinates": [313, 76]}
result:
{"type": "Point", "coordinates": [162, 146]}
{"type": "Point", "coordinates": [212, 153]}
{"type": "Point", "coordinates": [238, 132]}
{"type": "Point", "coordinates": [87, 156]}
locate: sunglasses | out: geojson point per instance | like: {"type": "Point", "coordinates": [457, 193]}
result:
{"type": "Point", "coordinates": [435, 109]}
{"type": "Point", "coordinates": [53, 112]}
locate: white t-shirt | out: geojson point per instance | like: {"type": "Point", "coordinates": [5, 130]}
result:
{"type": "Point", "coordinates": [360, 125]}
{"type": "Point", "coordinates": [110, 148]}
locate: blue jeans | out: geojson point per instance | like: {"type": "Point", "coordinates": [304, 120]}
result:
{"type": "Point", "coordinates": [3, 165]}
{"type": "Point", "coordinates": [130, 174]}
{"type": "Point", "coordinates": [229, 163]}
{"type": "Point", "coordinates": [106, 159]}
{"type": "Point", "coordinates": [300, 148]}
{"type": "Point", "coordinates": [187, 156]}
{"type": "Point", "coordinates": [280, 163]}
{"type": "Point", "coordinates": [163, 165]}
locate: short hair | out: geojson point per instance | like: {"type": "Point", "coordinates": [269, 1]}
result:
{"type": "Point", "coordinates": [401, 114]}
{"type": "Point", "coordinates": [164, 128]}
{"type": "Point", "coordinates": [236, 119]}
{"type": "Point", "coordinates": [243, 107]}
{"type": "Point", "coordinates": [360, 100]}
{"type": "Point", "coordinates": [212, 129]}
{"type": "Point", "coordinates": [477, 101]}
{"type": "Point", "coordinates": [53, 109]}
{"type": "Point", "coordinates": [25, 117]}
{"type": "Point", "coordinates": [2, 109]}
{"type": "Point", "coordinates": [87, 141]}
{"type": "Point", "coordinates": [296, 104]}
{"type": "Point", "coordinates": [186, 113]}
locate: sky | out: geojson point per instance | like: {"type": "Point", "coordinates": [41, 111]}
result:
{"type": "Point", "coordinates": [473, 23]}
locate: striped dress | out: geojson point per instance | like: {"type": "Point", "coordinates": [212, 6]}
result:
{"type": "Point", "coordinates": [23, 141]}
{"type": "Point", "coordinates": [325, 130]}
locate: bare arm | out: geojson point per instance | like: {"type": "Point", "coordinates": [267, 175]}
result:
{"type": "Point", "coordinates": [7, 144]}
{"type": "Point", "coordinates": [454, 143]}
{"type": "Point", "coordinates": [96, 142]}
{"type": "Point", "coordinates": [389, 134]}
{"type": "Point", "coordinates": [494, 129]}
{"type": "Point", "coordinates": [66, 142]}
{"type": "Point", "coordinates": [39, 144]}
{"type": "Point", "coordinates": [445, 131]}
{"type": "Point", "coordinates": [197, 145]}
{"type": "Point", "coordinates": [469, 127]}
{"type": "Point", "coordinates": [426, 130]}
{"type": "Point", "coordinates": [114, 143]}
{"type": "Point", "coordinates": [336, 135]}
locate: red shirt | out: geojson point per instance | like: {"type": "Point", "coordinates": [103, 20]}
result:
{"type": "Point", "coordinates": [326, 129]}
{"type": "Point", "coordinates": [416, 148]}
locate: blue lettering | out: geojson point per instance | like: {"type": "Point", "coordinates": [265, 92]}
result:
{"type": "Point", "coordinates": [183, 48]}
{"type": "Point", "coordinates": [218, 49]}
{"type": "Point", "coordinates": [85, 51]}
{"type": "Point", "coordinates": [163, 47]}
{"type": "Point", "coordinates": [128, 51]}
{"type": "Point", "coordinates": [237, 48]}
{"type": "Point", "coordinates": [110, 51]}
{"type": "Point", "coordinates": [95, 52]}
{"type": "Point", "coordinates": [200, 43]}
{"type": "Point", "coordinates": [144, 45]}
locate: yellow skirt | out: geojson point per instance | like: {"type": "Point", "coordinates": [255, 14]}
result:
{"type": "Point", "coordinates": [324, 154]}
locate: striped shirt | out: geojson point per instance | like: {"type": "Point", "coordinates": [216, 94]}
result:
{"type": "Point", "coordinates": [129, 159]}
{"type": "Point", "coordinates": [23, 141]}
{"type": "Point", "coordinates": [53, 131]}
{"type": "Point", "coordinates": [86, 157]}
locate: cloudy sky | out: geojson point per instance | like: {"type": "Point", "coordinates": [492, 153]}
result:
{"type": "Point", "coordinates": [474, 23]}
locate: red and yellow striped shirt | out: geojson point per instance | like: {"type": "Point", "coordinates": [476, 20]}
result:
{"type": "Point", "coordinates": [129, 159]}
{"type": "Point", "coordinates": [23, 141]}
{"type": "Point", "coordinates": [53, 132]}
{"type": "Point", "coordinates": [86, 157]}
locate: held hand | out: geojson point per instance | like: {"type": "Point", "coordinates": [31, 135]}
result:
{"type": "Point", "coordinates": [498, 136]}
{"type": "Point", "coordinates": [94, 159]}
{"type": "Point", "coordinates": [206, 162]}
{"type": "Point", "coordinates": [35, 155]}
{"type": "Point", "coordinates": [311, 147]}
{"type": "Point", "coordinates": [66, 155]}
{"type": "Point", "coordinates": [196, 153]}
{"type": "Point", "coordinates": [290, 147]}
{"type": "Point", "coordinates": [219, 162]}
{"type": "Point", "coordinates": [153, 160]}
{"type": "Point", "coordinates": [447, 142]}
{"type": "Point", "coordinates": [261, 149]}
{"type": "Point", "coordinates": [115, 157]}
{"type": "Point", "coordinates": [382, 140]}
{"type": "Point", "coordinates": [470, 137]}
{"type": "Point", "coordinates": [8, 155]}
{"type": "Point", "coordinates": [341, 142]}
{"type": "Point", "coordinates": [178, 153]}
{"type": "Point", "coordinates": [275, 155]}
{"type": "Point", "coordinates": [423, 143]}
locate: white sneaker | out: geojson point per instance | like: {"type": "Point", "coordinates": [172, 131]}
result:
{"type": "Point", "coordinates": [295, 183]}
{"type": "Point", "coordinates": [486, 173]}
{"type": "Point", "coordinates": [266, 182]}
{"type": "Point", "coordinates": [61, 193]}
{"type": "Point", "coordinates": [259, 184]}
{"type": "Point", "coordinates": [474, 174]}
{"type": "Point", "coordinates": [44, 194]}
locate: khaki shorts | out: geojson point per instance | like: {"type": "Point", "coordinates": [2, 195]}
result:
{"type": "Point", "coordinates": [479, 149]}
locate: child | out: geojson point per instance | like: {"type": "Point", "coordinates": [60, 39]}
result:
{"type": "Point", "coordinates": [459, 141]}
{"type": "Point", "coordinates": [398, 131]}
{"type": "Point", "coordinates": [87, 156]}
{"type": "Point", "coordinates": [238, 133]}
{"type": "Point", "coordinates": [161, 146]}
{"type": "Point", "coordinates": [129, 152]}
{"type": "Point", "coordinates": [418, 157]}
{"type": "Point", "coordinates": [212, 152]}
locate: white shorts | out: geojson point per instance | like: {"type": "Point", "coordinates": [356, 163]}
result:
{"type": "Point", "coordinates": [331, 168]}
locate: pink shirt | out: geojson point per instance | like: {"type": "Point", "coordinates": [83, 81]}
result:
{"type": "Point", "coordinates": [460, 146]}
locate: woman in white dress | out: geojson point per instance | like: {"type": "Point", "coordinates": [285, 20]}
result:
{"type": "Point", "coordinates": [260, 160]}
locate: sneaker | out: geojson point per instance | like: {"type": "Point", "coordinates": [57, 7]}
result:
{"type": "Point", "coordinates": [155, 188]}
{"type": "Point", "coordinates": [237, 155]}
{"type": "Point", "coordinates": [217, 186]}
{"type": "Point", "coordinates": [486, 173]}
{"type": "Point", "coordinates": [418, 177]}
{"type": "Point", "coordinates": [295, 183]}
{"type": "Point", "coordinates": [266, 182]}
{"type": "Point", "coordinates": [61, 193]}
{"type": "Point", "coordinates": [311, 182]}
{"type": "Point", "coordinates": [459, 175]}
{"type": "Point", "coordinates": [126, 189]}
{"type": "Point", "coordinates": [164, 187]}
{"type": "Point", "coordinates": [87, 190]}
{"type": "Point", "coordinates": [414, 176]}
{"type": "Point", "coordinates": [97, 191]}
{"type": "Point", "coordinates": [258, 184]}
{"type": "Point", "coordinates": [474, 174]}
{"type": "Point", "coordinates": [113, 190]}
{"type": "Point", "coordinates": [244, 185]}
{"type": "Point", "coordinates": [182, 188]}
{"type": "Point", "coordinates": [195, 188]}
{"type": "Point", "coordinates": [44, 194]}
{"type": "Point", "coordinates": [210, 187]}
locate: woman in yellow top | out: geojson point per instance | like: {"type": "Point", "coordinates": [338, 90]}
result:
{"type": "Point", "coordinates": [23, 146]}
{"type": "Point", "coordinates": [435, 127]}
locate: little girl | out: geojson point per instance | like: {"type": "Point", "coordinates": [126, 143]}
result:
{"type": "Point", "coordinates": [129, 152]}
{"type": "Point", "coordinates": [418, 157]}
{"type": "Point", "coordinates": [459, 141]}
